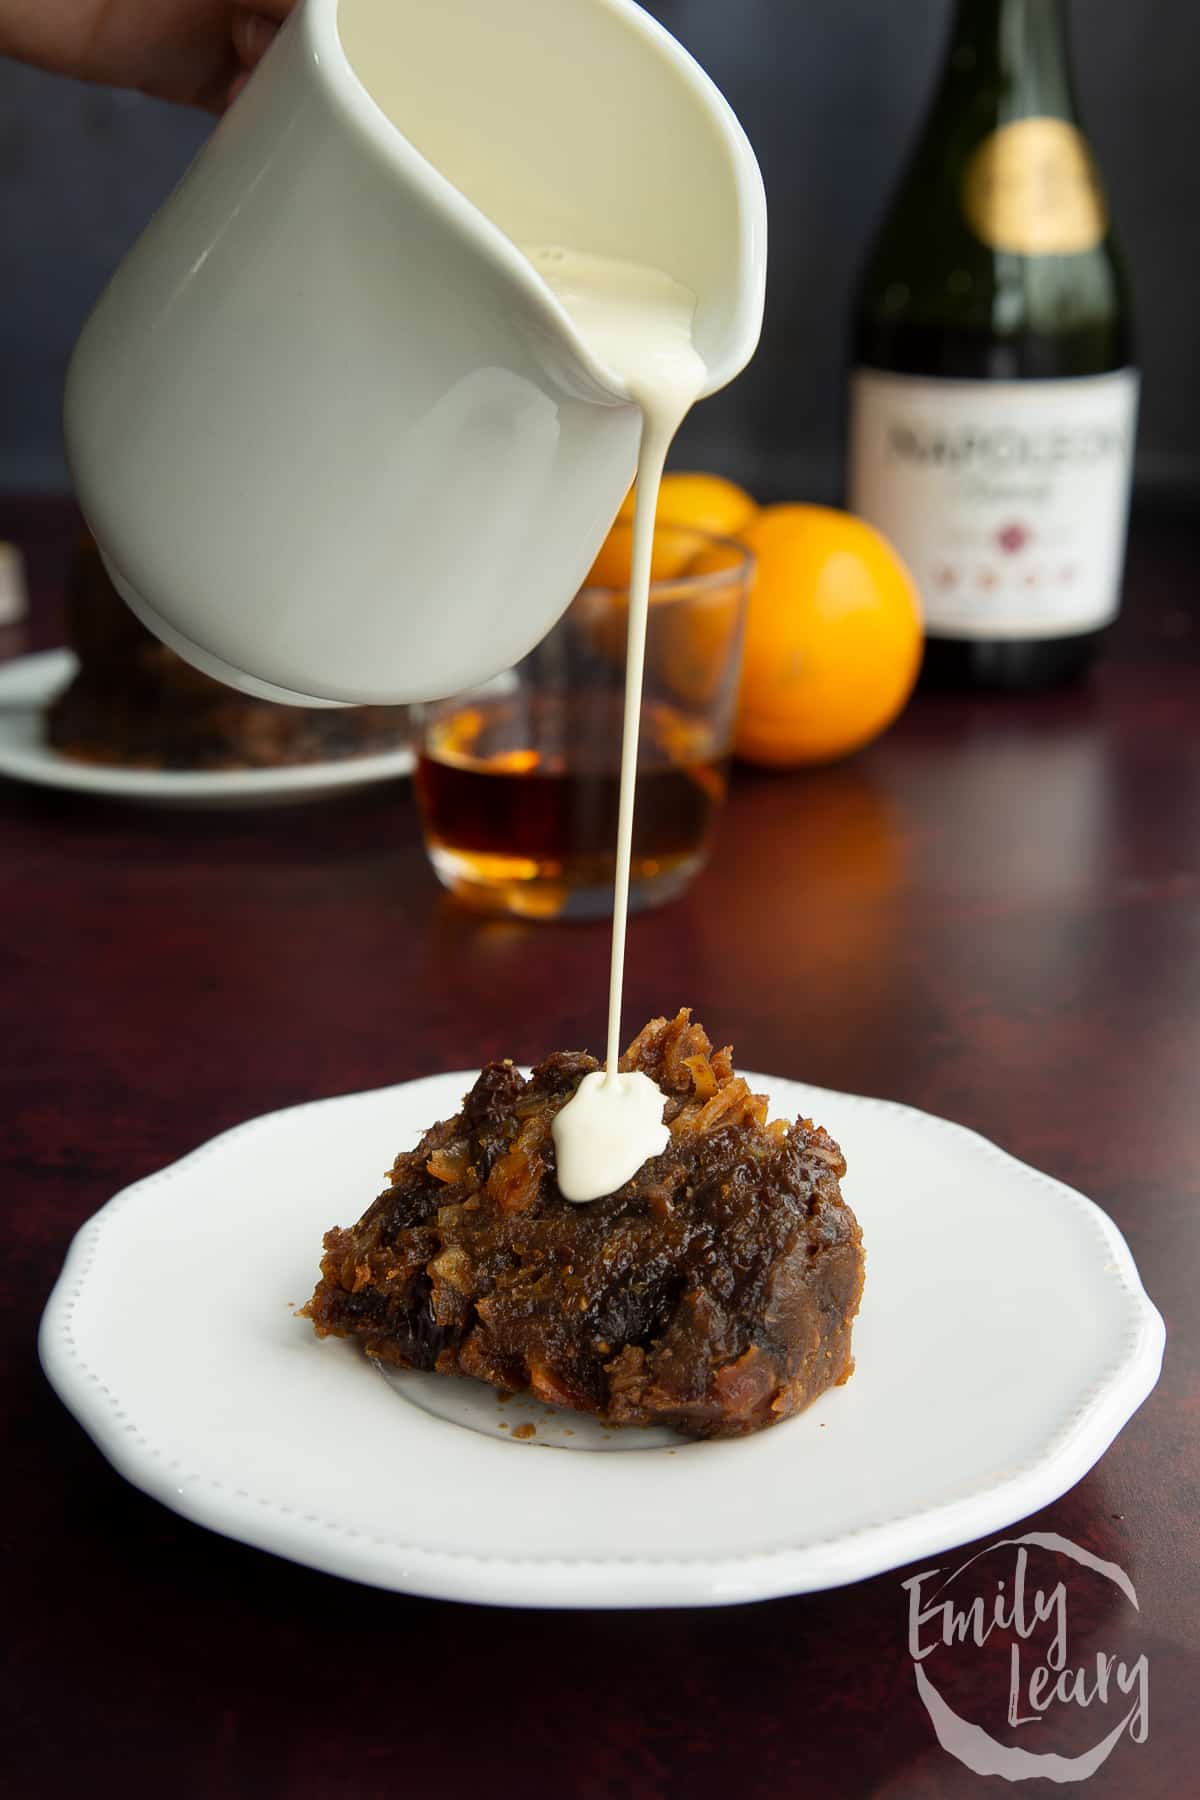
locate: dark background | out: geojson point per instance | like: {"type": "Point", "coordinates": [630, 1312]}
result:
{"type": "Point", "coordinates": [830, 92]}
{"type": "Point", "coordinates": [993, 914]}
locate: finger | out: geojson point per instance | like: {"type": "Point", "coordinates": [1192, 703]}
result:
{"type": "Point", "coordinates": [235, 88]}
{"type": "Point", "coordinates": [252, 37]}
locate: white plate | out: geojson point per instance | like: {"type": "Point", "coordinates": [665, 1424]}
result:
{"type": "Point", "coordinates": [1004, 1340]}
{"type": "Point", "coordinates": [29, 683]}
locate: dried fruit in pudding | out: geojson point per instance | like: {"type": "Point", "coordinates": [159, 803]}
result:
{"type": "Point", "coordinates": [713, 1293]}
{"type": "Point", "coordinates": [133, 703]}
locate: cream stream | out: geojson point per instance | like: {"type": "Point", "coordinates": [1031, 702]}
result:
{"type": "Point", "coordinates": [636, 321]}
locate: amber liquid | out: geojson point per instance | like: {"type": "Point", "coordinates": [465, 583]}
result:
{"type": "Point", "coordinates": [519, 799]}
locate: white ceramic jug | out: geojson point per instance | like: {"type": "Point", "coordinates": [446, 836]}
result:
{"type": "Point", "coordinates": [335, 436]}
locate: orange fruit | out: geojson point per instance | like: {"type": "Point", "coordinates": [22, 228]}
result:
{"type": "Point", "coordinates": [833, 637]}
{"type": "Point", "coordinates": [705, 502]}
{"type": "Point", "coordinates": [697, 502]}
{"type": "Point", "coordinates": [693, 642]}
{"type": "Point", "coordinates": [673, 550]}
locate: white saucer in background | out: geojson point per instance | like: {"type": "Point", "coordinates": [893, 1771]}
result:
{"type": "Point", "coordinates": [29, 683]}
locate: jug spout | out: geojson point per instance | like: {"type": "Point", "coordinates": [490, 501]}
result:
{"type": "Point", "coordinates": [583, 124]}
{"type": "Point", "coordinates": [334, 435]}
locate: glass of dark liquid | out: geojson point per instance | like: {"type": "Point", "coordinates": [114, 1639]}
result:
{"type": "Point", "coordinates": [518, 781]}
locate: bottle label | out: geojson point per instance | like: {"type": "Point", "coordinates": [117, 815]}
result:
{"type": "Point", "coordinates": [1008, 500]}
{"type": "Point", "coordinates": [1031, 187]}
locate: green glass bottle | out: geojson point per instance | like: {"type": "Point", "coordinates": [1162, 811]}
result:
{"type": "Point", "coordinates": [993, 401]}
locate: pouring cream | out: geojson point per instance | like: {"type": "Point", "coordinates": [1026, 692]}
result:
{"type": "Point", "coordinates": [638, 322]}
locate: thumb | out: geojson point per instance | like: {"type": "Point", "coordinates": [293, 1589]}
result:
{"type": "Point", "coordinates": [252, 36]}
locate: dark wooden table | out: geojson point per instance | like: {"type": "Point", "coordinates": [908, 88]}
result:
{"type": "Point", "coordinates": [994, 914]}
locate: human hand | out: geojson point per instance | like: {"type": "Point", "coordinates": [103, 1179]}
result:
{"type": "Point", "coordinates": [199, 52]}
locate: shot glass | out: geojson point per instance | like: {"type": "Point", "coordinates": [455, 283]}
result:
{"type": "Point", "coordinates": [518, 781]}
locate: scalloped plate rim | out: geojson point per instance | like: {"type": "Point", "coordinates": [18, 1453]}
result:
{"type": "Point", "coordinates": [597, 1583]}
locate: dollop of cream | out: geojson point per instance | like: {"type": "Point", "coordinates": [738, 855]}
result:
{"type": "Point", "coordinates": [609, 1127]}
